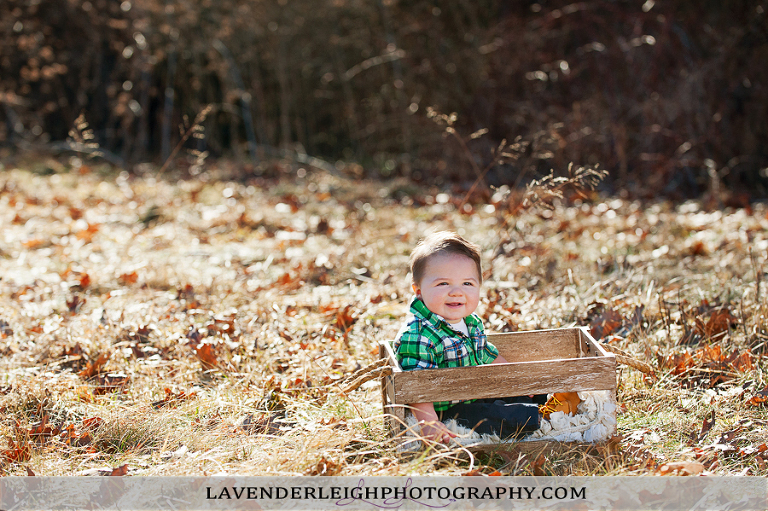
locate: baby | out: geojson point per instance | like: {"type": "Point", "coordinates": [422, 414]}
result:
{"type": "Point", "coordinates": [444, 332]}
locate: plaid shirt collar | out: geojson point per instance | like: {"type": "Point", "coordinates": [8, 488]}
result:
{"type": "Point", "coordinates": [419, 309]}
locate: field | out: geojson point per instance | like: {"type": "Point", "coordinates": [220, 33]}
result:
{"type": "Point", "coordinates": [169, 326]}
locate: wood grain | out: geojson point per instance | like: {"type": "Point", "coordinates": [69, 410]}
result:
{"type": "Point", "coordinates": [501, 380]}
{"type": "Point", "coordinates": [539, 344]}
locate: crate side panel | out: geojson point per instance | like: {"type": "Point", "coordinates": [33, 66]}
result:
{"type": "Point", "coordinates": [394, 415]}
{"type": "Point", "coordinates": [539, 345]}
{"type": "Point", "coordinates": [502, 380]}
{"type": "Point", "coordinates": [385, 350]}
{"type": "Point", "coordinates": [595, 348]}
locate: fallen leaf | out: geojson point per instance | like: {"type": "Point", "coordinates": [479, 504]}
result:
{"type": "Point", "coordinates": [128, 278]}
{"type": "Point", "coordinates": [324, 467]}
{"type": "Point", "coordinates": [16, 453]}
{"type": "Point", "coordinates": [345, 318]}
{"type": "Point", "coordinates": [73, 438]}
{"type": "Point", "coordinates": [717, 324]}
{"type": "Point", "coordinates": [113, 382]}
{"type": "Point", "coordinates": [41, 431]}
{"type": "Point", "coordinates": [705, 427]}
{"type": "Point", "coordinates": [206, 353]}
{"type": "Point", "coordinates": [34, 244]}
{"type": "Point", "coordinates": [84, 281]}
{"type": "Point", "coordinates": [29, 472]}
{"type": "Point", "coordinates": [683, 468]}
{"type": "Point", "coordinates": [88, 233]}
{"type": "Point", "coordinates": [75, 303]}
{"type": "Point", "coordinates": [94, 368]}
{"type": "Point", "coordinates": [538, 466]}
{"type": "Point", "coordinates": [119, 471]}
{"type": "Point", "coordinates": [605, 323]}
{"type": "Point", "coordinates": [759, 399]}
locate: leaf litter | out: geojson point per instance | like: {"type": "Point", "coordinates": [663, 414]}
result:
{"type": "Point", "coordinates": [170, 316]}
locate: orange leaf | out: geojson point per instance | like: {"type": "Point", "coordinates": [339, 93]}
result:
{"type": "Point", "coordinates": [119, 471]}
{"type": "Point", "coordinates": [206, 353]}
{"type": "Point", "coordinates": [93, 422]}
{"type": "Point", "coordinates": [33, 244]}
{"type": "Point", "coordinates": [16, 453]}
{"type": "Point", "coordinates": [345, 318]}
{"type": "Point", "coordinates": [741, 362]}
{"type": "Point", "coordinates": [128, 278]}
{"type": "Point", "coordinates": [759, 399]}
{"type": "Point", "coordinates": [29, 472]}
{"type": "Point", "coordinates": [85, 280]}
{"type": "Point", "coordinates": [605, 323]}
{"type": "Point", "coordinates": [94, 368]}
{"type": "Point", "coordinates": [88, 233]}
{"type": "Point", "coordinates": [683, 468]}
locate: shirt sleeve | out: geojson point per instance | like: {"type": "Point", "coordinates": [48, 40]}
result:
{"type": "Point", "coordinates": [415, 351]}
{"type": "Point", "coordinates": [486, 351]}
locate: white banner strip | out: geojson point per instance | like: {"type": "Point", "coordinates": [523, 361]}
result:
{"type": "Point", "coordinates": [379, 493]}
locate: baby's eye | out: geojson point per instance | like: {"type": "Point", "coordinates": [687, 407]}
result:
{"type": "Point", "coordinates": [469, 283]}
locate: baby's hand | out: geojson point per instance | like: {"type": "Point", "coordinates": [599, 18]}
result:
{"type": "Point", "coordinates": [436, 431]}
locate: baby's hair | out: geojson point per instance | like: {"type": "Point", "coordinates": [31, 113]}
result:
{"type": "Point", "coordinates": [442, 242]}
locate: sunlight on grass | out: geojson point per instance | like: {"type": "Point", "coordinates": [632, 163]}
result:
{"type": "Point", "coordinates": [179, 329]}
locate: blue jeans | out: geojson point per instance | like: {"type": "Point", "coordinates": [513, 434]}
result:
{"type": "Point", "coordinates": [505, 417]}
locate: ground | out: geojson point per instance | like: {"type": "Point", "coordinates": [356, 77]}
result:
{"type": "Point", "coordinates": [166, 325]}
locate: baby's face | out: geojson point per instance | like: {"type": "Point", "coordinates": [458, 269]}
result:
{"type": "Point", "coordinates": [450, 286]}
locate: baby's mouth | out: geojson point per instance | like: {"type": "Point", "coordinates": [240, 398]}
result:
{"type": "Point", "coordinates": [454, 304]}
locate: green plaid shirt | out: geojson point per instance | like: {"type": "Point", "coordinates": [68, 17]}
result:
{"type": "Point", "coordinates": [427, 341]}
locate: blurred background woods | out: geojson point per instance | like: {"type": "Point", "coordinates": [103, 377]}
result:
{"type": "Point", "coordinates": [670, 96]}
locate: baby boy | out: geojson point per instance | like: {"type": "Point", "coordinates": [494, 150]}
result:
{"type": "Point", "coordinates": [443, 331]}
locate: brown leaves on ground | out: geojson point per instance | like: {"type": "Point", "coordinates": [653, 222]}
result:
{"type": "Point", "coordinates": [126, 279]}
{"type": "Point", "coordinates": [537, 466]}
{"type": "Point", "coordinates": [288, 299]}
{"type": "Point", "coordinates": [605, 320]}
{"type": "Point", "coordinates": [111, 383]}
{"type": "Point", "coordinates": [705, 427]}
{"type": "Point", "coordinates": [707, 365]}
{"type": "Point", "coordinates": [119, 471]}
{"type": "Point", "coordinates": [75, 303]}
{"type": "Point", "coordinates": [633, 448]}
{"type": "Point", "coordinates": [681, 468]}
{"type": "Point", "coordinates": [759, 399]}
{"type": "Point", "coordinates": [206, 353]}
{"type": "Point", "coordinates": [324, 467]}
{"type": "Point", "coordinates": [345, 318]}
{"type": "Point", "coordinates": [93, 367]}
{"type": "Point", "coordinates": [43, 432]}
{"type": "Point", "coordinates": [708, 321]}
{"type": "Point", "coordinates": [605, 323]}
{"type": "Point", "coordinates": [16, 453]}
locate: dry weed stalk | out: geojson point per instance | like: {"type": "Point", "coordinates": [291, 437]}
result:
{"type": "Point", "coordinates": [196, 131]}
{"type": "Point", "coordinates": [544, 191]}
{"type": "Point", "coordinates": [81, 138]}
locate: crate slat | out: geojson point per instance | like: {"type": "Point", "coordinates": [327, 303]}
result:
{"type": "Point", "coordinates": [503, 380]}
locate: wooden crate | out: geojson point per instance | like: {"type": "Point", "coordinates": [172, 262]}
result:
{"type": "Point", "coordinates": [545, 361]}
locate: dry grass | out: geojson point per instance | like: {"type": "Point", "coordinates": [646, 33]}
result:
{"type": "Point", "coordinates": [250, 302]}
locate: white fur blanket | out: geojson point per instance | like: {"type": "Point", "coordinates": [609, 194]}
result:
{"type": "Point", "coordinates": [595, 422]}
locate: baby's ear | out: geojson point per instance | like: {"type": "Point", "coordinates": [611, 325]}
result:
{"type": "Point", "coordinates": [416, 289]}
